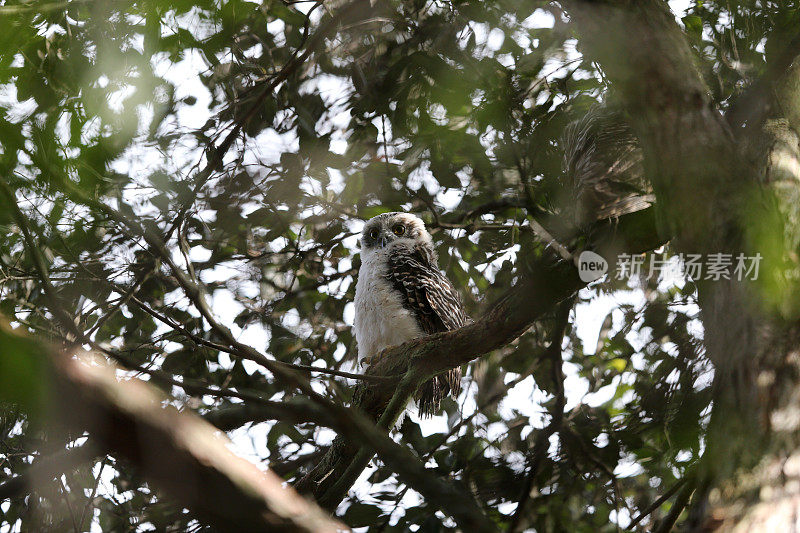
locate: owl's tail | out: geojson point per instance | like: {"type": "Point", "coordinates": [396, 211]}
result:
{"type": "Point", "coordinates": [432, 392]}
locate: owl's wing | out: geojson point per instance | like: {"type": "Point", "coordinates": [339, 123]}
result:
{"type": "Point", "coordinates": [437, 307]}
{"type": "Point", "coordinates": [426, 291]}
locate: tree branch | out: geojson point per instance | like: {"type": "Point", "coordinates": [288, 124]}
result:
{"type": "Point", "coordinates": [712, 198]}
{"type": "Point", "coordinates": [542, 441]}
{"type": "Point", "coordinates": [215, 154]}
{"type": "Point", "coordinates": [354, 425]}
{"type": "Point", "coordinates": [45, 469]}
{"type": "Point", "coordinates": [542, 284]}
{"type": "Point", "coordinates": [657, 503]}
{"type": "Point", "coordinates": [179, 452]}
{"type": "Point", "coordinates": [753, 105]}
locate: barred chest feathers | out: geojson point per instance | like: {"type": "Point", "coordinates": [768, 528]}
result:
{"type": "Point", "coordinates": [402, 295]}
{"type": "Point", "coordinates": [381, 320]}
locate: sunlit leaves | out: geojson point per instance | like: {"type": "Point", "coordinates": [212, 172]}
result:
{"type": "Point", "coordinates": [453, 110]}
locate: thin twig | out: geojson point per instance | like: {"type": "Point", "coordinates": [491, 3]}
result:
{"type": "Point", "coordinates": [665, 526]}
{"type": "Point", "coordinates": [65, 497]}
{"type": "Point", "coordinates": [542, 441]}
{"type": "Point", "coordinates": [90, 500]}
{"type": "Point", "coordinates": [657, 503]}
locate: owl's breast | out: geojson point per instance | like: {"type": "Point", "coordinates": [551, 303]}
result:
{"type": "Point", "coordinates": [381, 320]}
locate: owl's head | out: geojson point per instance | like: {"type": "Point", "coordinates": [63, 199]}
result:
{"type": "Point", "coordinates": [391, 229]}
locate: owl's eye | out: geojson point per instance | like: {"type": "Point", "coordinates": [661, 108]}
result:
{"type": "Point", "coordinates": [373, 233]}
{"type": "Point", "coordinates": [398, 229]}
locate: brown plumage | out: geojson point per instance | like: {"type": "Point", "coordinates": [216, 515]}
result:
{"type": "Point", "coordinates": [401, 295]}
{"type": "Point", "coordinates": [603, 169]}
{"type": "Point", "coordinates": [437, 307]}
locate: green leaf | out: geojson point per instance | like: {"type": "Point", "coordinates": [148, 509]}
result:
{"type": "Point", "coordinates": [23, 371]}
{"type": "Point", "coordinates": [693, 24]}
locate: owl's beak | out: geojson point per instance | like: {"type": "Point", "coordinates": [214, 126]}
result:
{"type": "Point", "coordinates": [382, 241]}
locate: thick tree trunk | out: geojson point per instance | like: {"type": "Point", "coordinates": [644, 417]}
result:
{"type": "Point", "coordinates": [721, 192]}
{"type": "Point", "coordinates": [768, 496]}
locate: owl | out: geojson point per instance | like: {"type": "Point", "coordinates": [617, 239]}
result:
{"type": "Point", "coordinates": [603, 168]}
{"type": "Point", "coordinates": [401, 295]}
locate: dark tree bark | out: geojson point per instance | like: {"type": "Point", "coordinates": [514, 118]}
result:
{"type": "Point", "coordinates": [179, 453]}
{"type": "Point", "coordinates": [721, 191]}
